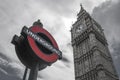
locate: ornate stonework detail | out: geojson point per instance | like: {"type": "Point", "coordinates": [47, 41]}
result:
{"type": "Point", "coordinates": [92, 59]}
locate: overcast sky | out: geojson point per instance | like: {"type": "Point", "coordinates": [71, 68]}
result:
{"type": "Point", "coordinates": [57, 17]}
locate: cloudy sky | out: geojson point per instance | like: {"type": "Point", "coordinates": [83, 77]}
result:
{"type": "Point", "coordinates": [57, 17]}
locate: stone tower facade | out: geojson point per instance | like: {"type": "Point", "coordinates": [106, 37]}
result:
{"type": "Point", "coordinates": [92, 59]}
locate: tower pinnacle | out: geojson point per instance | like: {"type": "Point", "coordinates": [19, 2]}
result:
{"type": "Point", "coordinates": [81, 6]}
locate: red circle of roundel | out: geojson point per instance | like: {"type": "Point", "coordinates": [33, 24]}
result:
{"type": "Point", "coordinates": [48, 58]}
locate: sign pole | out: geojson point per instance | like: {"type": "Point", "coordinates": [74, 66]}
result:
{"type": "Point", "coordinates": [34, 71]}
{"type": "Point", "coordinates": [25, 73]}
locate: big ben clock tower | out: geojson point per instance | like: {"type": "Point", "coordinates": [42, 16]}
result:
{"type": "Point", "coordinates": [92, 59]}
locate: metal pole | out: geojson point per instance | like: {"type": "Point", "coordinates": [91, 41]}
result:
{"type": "Point", "coordinates": [34, 71]}
{"type": "Point", "coordinates": [25, 73]}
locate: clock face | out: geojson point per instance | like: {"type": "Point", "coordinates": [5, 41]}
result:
{"type": "Point", "coordinates": [79, 28]}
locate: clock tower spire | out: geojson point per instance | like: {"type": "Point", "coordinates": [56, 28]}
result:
{"type": "Point", "coordinates": [92, 59]}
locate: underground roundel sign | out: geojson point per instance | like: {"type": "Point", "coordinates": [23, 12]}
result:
{"type": "Point", "coordinates": [38, 38]}
{"type": "Point", "coordinates": [36, 44]}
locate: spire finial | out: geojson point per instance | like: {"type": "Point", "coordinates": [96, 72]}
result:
{"type": "Point", "coordinates": [81, 6]}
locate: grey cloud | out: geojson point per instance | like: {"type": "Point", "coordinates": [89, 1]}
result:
{"type": "Point", "coordinates": [66, 49]}
{"type": "Point", "coordinates": [61, 7]}
{"type": "Point", "coordinates": [3, 56]}
{"type": "Point", "coordinates": [116, 55]}
{"type": "Point", "coordinates": [116, 47]}
{"type": "Point", "coordinates": [8, 71]}
{"type": "Point", "coordinates": [108, 16]}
